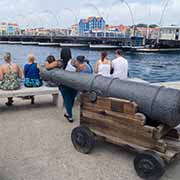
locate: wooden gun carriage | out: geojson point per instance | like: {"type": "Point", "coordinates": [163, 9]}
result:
{"type": "Point", "coordinates": [118, 121]}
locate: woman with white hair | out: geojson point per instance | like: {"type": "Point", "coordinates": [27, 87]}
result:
{"type": "Point", "coordinates": [32, 73]}
{"type": "Point", "coordinates": [10, 75]}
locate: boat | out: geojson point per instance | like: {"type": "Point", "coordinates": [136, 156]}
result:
{"type": "Point", "coordinates": [153, 50]}
{"type": "Point", "coordinates": [103, 46]}
{"type": "Point", "coordinates": [29, 43]}
{"type": "Point", "coordinates": [14, 42]}
{"type": "Point", "coordinates": [3, 42]}
{"type": "Point", "coordinates": [73, 45]}
{"type": "Point", "coordinates": [48, 44]}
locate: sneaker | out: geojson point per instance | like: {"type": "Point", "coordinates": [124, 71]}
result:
{"type": "Point", "coordinates": [68, 118]}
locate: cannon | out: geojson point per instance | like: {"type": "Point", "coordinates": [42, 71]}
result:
{"type": "Point", "coordinates": [119, 112]}
{"type": "Point", "coordinates": [158, 104]}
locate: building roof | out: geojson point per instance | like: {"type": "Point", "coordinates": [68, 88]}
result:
{"type": "Point", "coordinates": [91, 18]}
{"type": "Point", "coordinates": [120, 28]}
{"type": "Point", "coordinates": [170, 27]}
{"type": "Point", "coordinates": [145, 29]}
{"type": "Point", "coordinates": [99, 18]}
{"type": "Point", "coordinates": [85, 20]}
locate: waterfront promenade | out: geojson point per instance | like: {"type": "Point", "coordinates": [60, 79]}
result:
{"type": "Point", "coordinates": [35, 145]}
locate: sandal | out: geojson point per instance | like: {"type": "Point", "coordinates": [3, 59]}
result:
{"type": "Point", "coordinates": [10, 102]}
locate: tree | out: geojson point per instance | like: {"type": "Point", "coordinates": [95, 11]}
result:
{"type": "Point", "coordinates": [141, 25]}
{"type": "Point", "coordinates": [153, 26]}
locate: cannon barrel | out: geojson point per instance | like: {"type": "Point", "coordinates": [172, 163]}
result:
{"type": "Point", "coordinates": [159, 104]}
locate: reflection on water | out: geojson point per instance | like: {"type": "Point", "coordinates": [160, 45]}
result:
{"type": "Point", "coordinates": [154, 67]}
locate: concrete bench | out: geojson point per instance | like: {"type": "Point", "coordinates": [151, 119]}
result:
{"type": "Point", "coordinates": [23, 92]}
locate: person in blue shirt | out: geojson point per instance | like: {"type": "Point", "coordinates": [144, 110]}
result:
{"type": "Point", "coordinates": [32, 73]}
{"type": "Point", "coordinates": [83, 65]}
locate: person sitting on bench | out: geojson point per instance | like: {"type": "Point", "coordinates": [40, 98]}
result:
{"type": "Point", "coordinates": [51, 64]}
{"type": "Point", "coordinates": [10, 75]}
{"type": "Point", "coordinates": [32, 75]}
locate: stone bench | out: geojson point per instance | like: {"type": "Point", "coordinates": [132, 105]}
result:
{"type": "Point", "coordinates": [24, 91]}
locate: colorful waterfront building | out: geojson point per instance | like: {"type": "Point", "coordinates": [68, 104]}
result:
{"type": "Point", "coordinates": [147, 32]}
{"type": "Point", "coordinates": [90, 24]}
{"type": "Point", "coordinates": [9, 28]}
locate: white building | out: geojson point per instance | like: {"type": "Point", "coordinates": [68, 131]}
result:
{"type": "Point", "coordinates": [170, 33]}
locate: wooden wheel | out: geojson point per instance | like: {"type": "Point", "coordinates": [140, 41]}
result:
{"type": "Point", "coordinates": [149, 165]}
{"type": "Point", "coordinates": [83, 139]}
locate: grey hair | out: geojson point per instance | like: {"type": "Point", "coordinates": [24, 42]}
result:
{"type": "Point", "coordinates": [7, 56]}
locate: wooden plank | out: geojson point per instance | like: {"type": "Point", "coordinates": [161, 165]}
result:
{"type": "Point", "coordinates": [119, 128]}
{"type": "Point", "coordinates": [117, 119]}
{"type": "Point", "coordinates": [101, 102]}
{"type": "Point", "coordinates": [112, 136]}
{"type": "Point", "coordinates": [130, 119]}
{"type": "Point", "coordinates": [123, 106]}
{"type": "Point", "coordinates": [137, 117]}
{"type": "Point", "coordinates": [167, 156]}
{"type": "Point", "coordinates": [113, 104]}
{"type": "Point", "coordinates": [121, 123]}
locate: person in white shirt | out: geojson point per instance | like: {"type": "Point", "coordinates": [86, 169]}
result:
{"type": "Point", "coordinates": [120, 66]}
{"type": "Point", "coordinates": [103, 66]}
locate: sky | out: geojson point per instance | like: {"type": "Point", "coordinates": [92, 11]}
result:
{"type": "Point", "coordinates": [63, 13]}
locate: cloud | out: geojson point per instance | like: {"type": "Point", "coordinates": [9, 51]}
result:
{"type": "Point", "coordinates": [32, 12]}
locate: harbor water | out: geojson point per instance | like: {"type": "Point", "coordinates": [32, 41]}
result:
{"type": "Point", "coordinates": [153, 67]}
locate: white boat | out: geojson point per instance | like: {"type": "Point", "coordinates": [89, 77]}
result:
{"type": "Point", "coordinates": [3, 42]}
{"type": "Point", "coordinates": [73, 45]}
{"type": "Point", "coordinates": [151, 50]}
{"type": "Point", "coordinates": [48, 44]}
{"type": "Point", "coordinates": [103, 46]}
{"type": "Point", "coordinates": [29, 43]}
{"type": "Point", "coordinates": [14, 42]}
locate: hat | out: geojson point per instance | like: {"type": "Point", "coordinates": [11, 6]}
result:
{"type": "Point", "coordinates": [81, 59]}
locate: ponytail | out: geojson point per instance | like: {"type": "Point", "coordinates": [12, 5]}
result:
{"type": "Point", "coordinates": [103, 56]}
